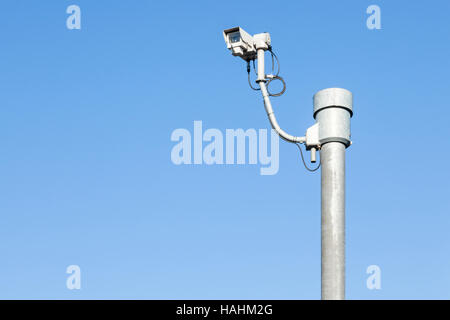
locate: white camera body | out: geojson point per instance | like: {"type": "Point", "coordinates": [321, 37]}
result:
{"type": "Point", "coordinates": [243, 44]}
{"type": "Point", "coordinates": [261, 41]}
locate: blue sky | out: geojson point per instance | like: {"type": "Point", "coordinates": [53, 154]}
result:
{"type": "Point", "coordinates": [87, 179]}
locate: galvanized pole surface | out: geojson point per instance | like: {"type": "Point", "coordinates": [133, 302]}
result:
{"type": "Point", "coordinates": [333, 220]}
{"type": "Point", "coordinates": [333, 109]}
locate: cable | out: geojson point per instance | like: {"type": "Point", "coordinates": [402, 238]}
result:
{"type": "Point", "coordinates": [279, 93]}
{"type": "Point", "coordinates": [248, 72]}
{"type": "Point", "coordinates": [250, 83]}
{"type": "Point", "coordinates": [278, 61]}
{"type": "Point", "coordinates": [254, 67]}
{"type": "Point", "coordinates": [273, 62]}
{"type": "Point", "coordinates": [274, 76]}
{"type": "Point", "coordinates": [303, 159]}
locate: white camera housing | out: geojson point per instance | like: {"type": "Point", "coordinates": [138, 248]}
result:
{"type": "Point", "coordinates": [261, 41]}
{"type": "Point", "coordinates": [240, 43]}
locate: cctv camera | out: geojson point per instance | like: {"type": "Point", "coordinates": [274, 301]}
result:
{"type": "Point", "coordinates": [240, 43]}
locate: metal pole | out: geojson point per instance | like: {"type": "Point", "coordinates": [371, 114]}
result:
{"type": "Point", "coordinates": [333, 221]}
{"type": "Point", "coordinates": [333, 109]}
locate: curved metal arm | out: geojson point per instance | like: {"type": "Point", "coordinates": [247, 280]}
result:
{"type": "Point", "coordinates": [268, 105]}
{"type": "Point", "coordinates": [273, 120]}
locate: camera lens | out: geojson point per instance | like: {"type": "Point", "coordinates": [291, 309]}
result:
{"type": "Point", "coordinates": [235, 37]}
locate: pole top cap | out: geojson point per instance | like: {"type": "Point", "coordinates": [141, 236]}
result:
{"type": "Point", "coordinates": [333, 97]}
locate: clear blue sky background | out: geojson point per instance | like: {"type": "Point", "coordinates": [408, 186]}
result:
{"type": "Point", "coordinates": [86, 176]}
